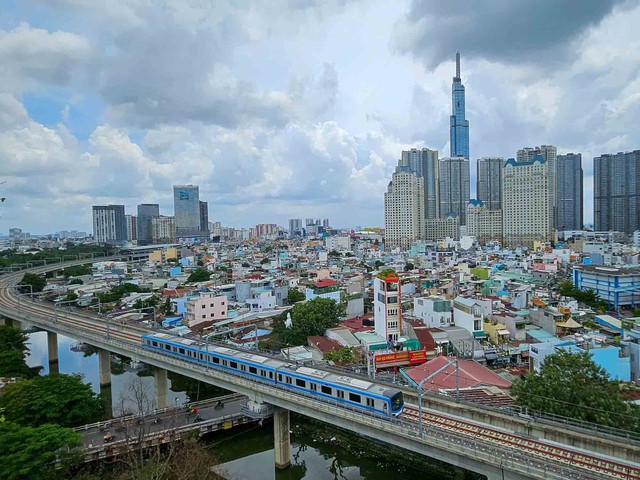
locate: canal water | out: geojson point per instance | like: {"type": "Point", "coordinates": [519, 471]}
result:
{"type": "Point", "coordinates": [319, 452]}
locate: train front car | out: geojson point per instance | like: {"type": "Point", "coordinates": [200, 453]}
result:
{"type": "Point", "coordinates": [396, 400]}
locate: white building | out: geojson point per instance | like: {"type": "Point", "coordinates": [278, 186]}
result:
{"type": "Point", "coordinates": [387, 308]}
{"type": "Point", "coordinates": [482, 223]}
{"type": "Point", "coordinates": [435, 312]}
{"type": "Point", "coordinates": [526, 210]}
{"type": "Point", "coordinates": [549, 154]}
{"type": "Point", "coordinates": [469, 313]}
{"type": "Point", "coordinates": [109, 224]}
{"type": "Point", "coordinates": [636, 238]}
{"type": "Point", "coordinates": [262, 301]}
{"type": "Point", "coordinates": [163, 229]}
{"type": "Point", "coordinates": [340, 243]}
{"type": "Point", "coordinates": [404, 209]}
{"type": "Point", "coordinates": [132, 227]}
{"type": "Point", "coordinates": [436, 229]}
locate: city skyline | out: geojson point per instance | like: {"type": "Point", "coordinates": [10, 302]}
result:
{"type": "Point", "coordinates": [103, 107]}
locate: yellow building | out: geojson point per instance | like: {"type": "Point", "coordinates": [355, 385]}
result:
{"type": "Point", "coordinates": [163, 254]}
{"type": "Point", "coordinates": [497, 332]}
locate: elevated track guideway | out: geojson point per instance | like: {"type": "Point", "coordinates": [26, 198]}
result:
{"type": "Point", "coordinates": [477, 446]}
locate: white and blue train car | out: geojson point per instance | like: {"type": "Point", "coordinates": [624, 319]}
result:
{"type": "Point", "coordinates": [328, 386]}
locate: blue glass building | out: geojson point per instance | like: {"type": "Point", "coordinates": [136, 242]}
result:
{"type": "Point", "coordinates": [459, 125]}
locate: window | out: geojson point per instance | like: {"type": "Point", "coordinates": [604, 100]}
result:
{"type": "Point", "coordinates": [279, 377]}
{"type": "Point", "coordinates": [271, 375]}
{"type": "Point", "coordinates": [301, 383]}
{"type": "Point", "coordinates": [288, 380]}
{"type": "Point", "coordinates": [155, 344]}
{"type": "Point", "coordinates": [340, 393]}
{"type": "Point", "coordinates": [314, 387]}
{"type": "Point", "coordinates": [233, 364]}
{"type": "Point", "coordinates": [354, 397]}
{"type": "Point", "coordinates": [214, 359]}
{"type": "Point", "coordinates": [181, 351]}
{"type": "Point", "coordinates": [204, 306]}
{"type": "Point", "coordinates": [167, 347]}
{"type": "Point", "coordinates": [369, 402]}
{"type": "Point", "coordinates": [204, 316]}
{"type": "Point", "coordinates": [254, 370]}
{"type": "Point", "coordinates": [326, 390]}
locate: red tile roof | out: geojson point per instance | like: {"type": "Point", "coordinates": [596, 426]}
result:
{"type": "Point", "coordinates": [470, 374]}
{"type": "Point", "coordinates": [327, 282]}
{"type": "Point", "coordinates": [323, 344]}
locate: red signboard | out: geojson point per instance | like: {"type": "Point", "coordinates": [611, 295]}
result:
{"type": "Point", "coordinates": [406, 357]}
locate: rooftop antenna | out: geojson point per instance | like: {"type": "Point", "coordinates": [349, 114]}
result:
{"type": "Point", "coordinates": [457, 64]}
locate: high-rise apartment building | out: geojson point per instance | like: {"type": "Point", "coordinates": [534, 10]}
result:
{"type": "Point", "coordinates": [489, 182]}
{"type": "Point", "coordinates": [132, 227]}
{"type": "Point", "coordinates": [295, 227]}
{"type": "Point", "coordinates": [617, 192]}
{"type": "Point", "coordinates": [163, 229]}
{"type": "Point", "coordinates": [404, 209]}
{"type": "Point", "coordinates": [186, 202]}
{"type": "Point", "coordinates": [204, 216]}
{"type": "Point", "coordinates": [549, 154]}
{"type": "Point", "coordinates": [109, 224]}
{"type": "Point", "coordinates": [146, 211]}
{"type": "Point", "coordinates": [569, 207]}
{"type": "Point", "coordinates": [483, 223]}
{"type": "Point", "coordinates": [458, 124]}
{"type": "Point", "coordinates": [437, 229]}
{"type": "Point", "coordinates": [424, 163]}
{"type": "Point", "coordinates": [455, 189]}
{"type": "Point", "coordinates": [526, 216]}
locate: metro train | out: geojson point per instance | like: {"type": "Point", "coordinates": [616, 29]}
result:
{"type": "Point", "coordinates": [349, 391]}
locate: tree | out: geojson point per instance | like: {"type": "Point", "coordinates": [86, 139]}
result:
{"type": "Point", "coordinates": [152, 301]}
{"type": "Point", "coordinates": [379, 264]}
{"type": "Point", "coordinates": [30, 452]}
{"type": "Point", "coordinates": [76, 271]}
{"type": "Point", "coordinates": [166, 308]}
{"type": "Point", "coordinates": [199, 275]}
{"type": "Point", "coordinates": [308, 318]}
{"type": "Point", "coordinates": [70, 297]}
{"type": "Point", "coordinates": [334, 253]}
{"type": "Point", "coordinates": [409, 266]}
{"type": "Point", "coordinates": [342, 356]}
{"type": "Point", "coordinates": [13, 351]}
{"type": "Point", "coordinates": [573, 385]}
{"type": "Point", "coordinates": [55, 398]}
{"type": "Point", "coordinates": [76, 281]}
{"type": "Point", "coordinates": [264, 261]}
{"type": "Point", "coordinates": [36, 281]}
{"type": "Point", "coordinates": [294, 295]}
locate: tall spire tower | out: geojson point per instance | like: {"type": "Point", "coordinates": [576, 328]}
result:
{"type": "Point", "coordinates": [458, 124]}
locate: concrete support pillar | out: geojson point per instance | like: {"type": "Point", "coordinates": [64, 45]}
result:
{"type": "Point", "coordinates": [281, 443]}
{"type": "Point", "coordinates": [160, 376]}
{"type": "Point", "coordinates": [16, 324]}
{"type": "Point", "coordinates": [104, 367]}
{"type": "Point", "coordinates": [107, 395]}
{"type": "Point", "coordinates": [52, 349]}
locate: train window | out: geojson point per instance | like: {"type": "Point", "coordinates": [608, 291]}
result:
{"type": "Point", "coordinates": [288, 380]}
{"type": "Point", "coordinates": [271, 375]}
{"type": "Point", "coordinates": [224, 362]}
{"type": "Point", "coordinates": [253, 370]}
{"type": "Point", "coordinates": [181, 351]}
{"type": "Point", "coordinates": [301, 383]}
{"type": "Point", "coordinates": [233, 364]}
{"type": "Point", "coordinates": [325, 389]}
{"type": "Point", "coordinates": [369, 402]}
{"type": "Point", "coordinates": [167, 347]}
{"type": "Point", "coordinates": [314, 387]}
{"type": "Point", "coordinates": [243, 367]}
{"type": "Point", "coordinates": [354, 397]}
{"type": "Point", "coordinates": [340, 393]}
{"type": "Point", "coordinates": [155, 344]}
{"type": "Point", "coordinates": [215, 360]}
{"type": "Point", "coordinates": [279, 377]}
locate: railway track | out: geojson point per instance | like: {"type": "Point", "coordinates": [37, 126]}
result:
{"type": "Point", "coordinates": [536, 449]}
{"type": "Point", "coordinates": [585, 465]}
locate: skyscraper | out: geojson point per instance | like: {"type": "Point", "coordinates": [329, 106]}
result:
{"type": "Point", "coordinates": [186, 203]}
{"type": "Point", "coordinates": [424, 163]}
{"type": "Point", "coordinates": [146, 211]}
{"type": "Point", "coordinates": [454, 187]}
{"type": "Point", "coordinates": [404, 209]}
{"type": "Point", "coordinates": [204, 216]}
{"type": "Point", "coordinates": [549, 154]}
{"type": "Point", "coordinates": [617, 192]}
{"type": "Point", "coordinates": [109, 224]}
{"type": "Point", "coordinates": [526, 216]}
{"type": "Point", "coordinates": [489, 182]}
{"type": "Point", "coordinates": [569, 207]}
{"type": "Point", "coordinates": [459, 125]}
{"type": "Point", "coordinates": [132, 227]}
{"type": "Point", "coordinates": [295, 227]}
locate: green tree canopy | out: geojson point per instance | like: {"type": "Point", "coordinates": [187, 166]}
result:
{"type": "Point", "coordinates": [30, 452]}
{"type": "Point", "coordinates": [343, 356]}
{"type": "Point", "coordinates": [54, 398]}
{"type": "Point", "coordinates": [588, 297]}
{"type": "Point", "coordinates": [76, 271]}
{"type": "Point", "coordinates": [152, 301]}
{"type": "Point", "coordinates": [294, 295]}
{"type": "Point", "coordinates": [199, 275]}
{"type": "Point", "coordinates": [13, 351]}
{"type": "Point", "coordinates": [308, 318]}
{"type": "Point", "coordinates": [36, 281]}
{"type": "Point", "coordinates": [573, 385]}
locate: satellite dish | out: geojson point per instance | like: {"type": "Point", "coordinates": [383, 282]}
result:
{"type": "Point", "coordinates": [402, 340]}
{"type": "Point", "coordinates": [466, 242]}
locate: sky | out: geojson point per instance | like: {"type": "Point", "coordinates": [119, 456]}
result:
{"type": "Point", "coordinates": [284, 109]}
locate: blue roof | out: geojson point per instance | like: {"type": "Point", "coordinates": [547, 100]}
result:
{"type": "Point", "coordinates": [512, 161]}
{"type": "Point", "coordinates": [476, 202]}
